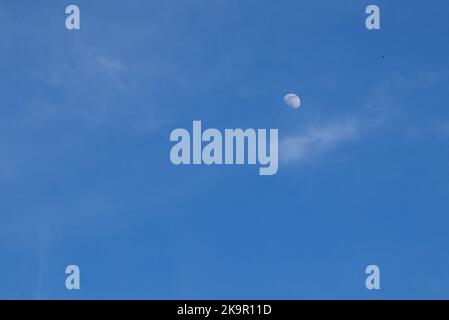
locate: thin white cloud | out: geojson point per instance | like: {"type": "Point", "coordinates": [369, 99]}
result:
{"type": "Point", "coordinates": [317, 140]}
{"type": "Point", "coordinates": [111, 66]}
{"type": "Point", "coordinates": [381, 107]}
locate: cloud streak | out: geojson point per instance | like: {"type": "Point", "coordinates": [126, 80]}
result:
{"type": "Point", "coordinates": [383, 105]}
{"type": "Point", "coordinates": [317, 140]}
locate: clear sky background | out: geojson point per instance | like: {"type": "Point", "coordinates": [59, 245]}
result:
{"type": "Point", "coordinates": [86, 178]}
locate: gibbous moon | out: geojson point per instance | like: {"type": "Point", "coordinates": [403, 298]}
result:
{"type": "Point", "coordinates": [292, 100]}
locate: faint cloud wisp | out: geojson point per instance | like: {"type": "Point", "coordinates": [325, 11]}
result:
{"type": "Point", "coordinates": [317, 140]}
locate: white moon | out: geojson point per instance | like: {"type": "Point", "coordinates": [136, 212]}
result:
{"type": "Point", "coordinates": [292, 100]}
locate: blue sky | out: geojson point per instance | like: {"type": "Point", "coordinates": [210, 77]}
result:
{"type": "Point", "coordinates": [86, 178]}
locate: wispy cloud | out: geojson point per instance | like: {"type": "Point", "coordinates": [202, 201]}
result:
{"type": "Point", "coordinates": [382, 106]}
{"type": "Point", "coordinates": [317, 140]}
{"type": "Point", "coordinates": [86, 67]}
{"type": "Point", "coordinates": [111, 66]}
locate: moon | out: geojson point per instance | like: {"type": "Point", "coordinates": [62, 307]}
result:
{"type": "Point", "coordinates": [292, 100]}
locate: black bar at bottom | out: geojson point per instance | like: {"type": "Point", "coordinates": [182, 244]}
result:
{"type": "Point", "coordinates": [225, 309]}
